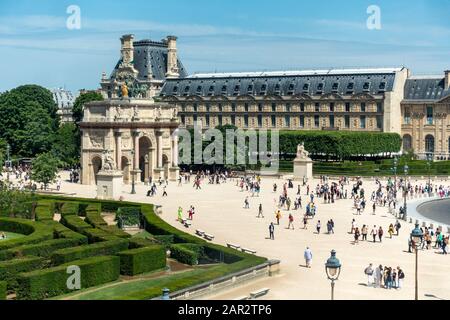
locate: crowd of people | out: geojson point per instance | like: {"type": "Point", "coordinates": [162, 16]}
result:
{"type": "Point", "coordinates": [384, 277]}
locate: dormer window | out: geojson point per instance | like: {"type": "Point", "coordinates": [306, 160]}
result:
{"type": "Point", "coordinates": [291, 89]}
{"type": "Point", "coordinates": [199, 89]}
{"type": "Point", "coordinates": [335, 87]}
{"type": "Point", "coordinates": [250, 89]}
{"type": "Point", "coordinates": [382, 86]}
{"type": "Point", "coordinates": [224, 89]}
{"type": "Point", "coordinates": [236, 89]}
{"type": "Point", "coordinates": [350, 87]}
{"type": "Point", "coordinates": [320, 88]}
{"type": "Point", "coordinates": [277, 88]}
{"type": "Point", "coordinates": [366, 86]}
{"type": "Point", "coordinates": [186, 90]}
{"type": "Point", "coordinates": [306, 87]}
{"type": "Point", "coordinates": [263, 89]}
{"type": "Point", "coordinates": [211, 91]}
{"type": "Point", "coordinates": [175, 90]}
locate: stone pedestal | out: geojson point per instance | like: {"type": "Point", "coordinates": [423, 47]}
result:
{"type": "Point", "coordinates": [303, 169]}
{"type": "Point", "coordinates": [109, 185]}
{"type": "Point", "coordinates": [174, 173]}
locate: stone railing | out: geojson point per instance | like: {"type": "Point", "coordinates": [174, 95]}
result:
{"type": "Point", "coordinates": [266, 269]}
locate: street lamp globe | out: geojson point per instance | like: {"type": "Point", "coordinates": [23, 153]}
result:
{"type": "Point", "coordinates": [417, 235]}
{"type": "Point", "coordinates": [406, 169]}
{"type": "Point", "coordinates": [333, 267]}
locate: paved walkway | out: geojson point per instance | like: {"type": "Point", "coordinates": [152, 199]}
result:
{"type": "Point", "coordinates": [219, 211]}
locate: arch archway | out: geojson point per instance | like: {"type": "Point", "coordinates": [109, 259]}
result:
{"type": "Point", "coordinates": [126, 169]}
{"type": "Point", "coordinates": [429, 144]}
{"type": "Point", "coordinates": [96, 166]}
{"type": "Point", "coordinates": [407, 142]}
{"type": "Point", "coordinates": [145, 158]}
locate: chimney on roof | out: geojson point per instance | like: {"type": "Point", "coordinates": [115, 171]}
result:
{"type": "Point", "coordinates": [447, 79]}
{"type": "Point", "coordinates": [172, 59]}
{"type": "Point", "coordinates": [127, 49]}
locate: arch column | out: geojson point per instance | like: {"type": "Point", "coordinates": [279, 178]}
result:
{"type": "Point", "coordinates": [136, 171]}
{"type": "Point", "coordinates": [159, 143]}
{"type": "Point", "coordinates": [118, 136]}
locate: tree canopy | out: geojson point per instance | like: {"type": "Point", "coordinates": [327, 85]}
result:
{"type": "Point", "coordinates": [44, 168]}
{"type": "Point", "coordinates": [80, 101]}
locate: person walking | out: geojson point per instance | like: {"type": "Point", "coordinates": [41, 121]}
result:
{"type": "Point", "coordinates": [354, 225]}
{"type": "Point", "coordinates": [369, 273]}
{"type": "Point", "coordinates": [357, 233]}
{"type": "Point", "coordinates": [308, 257]}
{"type": "Point", "coordinates": [278, 216]}
{"type": "Point", "coordinates": [380, 234]}
{"type": "Point", "coordinates": [164, 192]}
{"type": "Point", "coordinates": [364, 232]}
{"type": "Point", "coordinates": [291, 221]}
{"type": "Point", "coordinates": [400, 277]}
{"type": "Point", "coordinates": [271, 231]}
{"type": "Point", "coordinates": [391, 230]}
{"type": "Point", "coordinates": [378, 276]}
{"type": "Point", "coordinates": [305, 222]}
{"type": "Point", "coordinates": [374, 208]}
{"type": "Point", "coordinates": [260, 211]}
{"type": "Point", "coordinates": [374, 233]}
{"type": "Point", "coordinates": [246, 203]}
{"type": "Point", "coordinates": [180, 214]}
{"type": "Point", "coordinates": [318, 226]}
{"type": "Point", "coordinates": [397, 227]}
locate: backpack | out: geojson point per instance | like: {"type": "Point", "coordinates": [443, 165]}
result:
{"type": "Point", "coordinates": [401, 275]}
{"type": "Point", "coordinates": [368, 272]}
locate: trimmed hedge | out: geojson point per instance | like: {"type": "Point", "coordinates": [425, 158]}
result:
{"type": "Point", "coordinates": [115, 231]}
{"type": "Point", "coordinates": [35, 231]}
{"type": "Point", "coordinates": [97, 249]}
{"type": "Point", "coordinates": [187, 253]}
{"type": "Point", "coordinates": [41, 284]}
{"type": "Point", "coordinates": [44, 210]}
{"type": "Point", "coordinates": [2, 290]}
{"type": "Point", "coordinates": [136, 243]}
{"type": "Point", "coordinates": [142, 260]}
{"type": "Point", "coordinates": [70, 208]}
{"type": "Point", "coordinates": [9, 270]}
{"type": "Point", "coordinates": [75, 223]}
{"type": "Point", "coordinates": [43, 249]}
{"type": "Point", "coordinates": [97, 235]}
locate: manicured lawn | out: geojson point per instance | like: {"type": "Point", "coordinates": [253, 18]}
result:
{"type": "Point", "coordinates": [125, 288]}
{"type": "Point", "coordinates": [11, 235]}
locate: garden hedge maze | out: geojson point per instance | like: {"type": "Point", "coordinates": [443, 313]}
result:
{"type": "Point", "coordinates": [38, 265]}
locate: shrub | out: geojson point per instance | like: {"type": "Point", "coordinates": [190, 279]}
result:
{"type": "Point", "coordinates": [9, 270]}
{"type": "Point", "coordinates": [42, 249]}
{"type": "Point", "coordinates": [141, 243]}
{"type": "Point", "coordinates": [70, 209]}
{"type": "Point", "coordinates": [44, 210]}
{"type": "Point", "coordinates": [35, 231]}
{"type": "Point", "coordinates": [41, 284]}
{"type": "Point", "coordinates": [142, 260]}
{"type": "Point", "coordinates": [187, 253]}
{"type": "Point", "coordinates": [165, 240]}
{"type": "Point", "coordinates": [115, 231]}
{"type": "Point", "coordinates": [95, 219]}
{"type": "Point", "coordinates": [75, 223]}
{"type": "Point", "coordinates": [98, 235]}
{"type": "Point", "coordinates": [2, 290]}
{"type": "Point", "coordinates": [97, 249]}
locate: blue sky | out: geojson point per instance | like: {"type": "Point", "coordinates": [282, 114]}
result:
{"type": "Point", "coordinates": [219, 35]}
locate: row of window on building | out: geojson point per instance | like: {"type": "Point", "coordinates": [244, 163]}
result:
{"type": "Point", "coordinates": [429, 116]}
{"type": "Point", "coordinates": [318, 107]}
{"type": "Point", "coordinates": [288, 120]}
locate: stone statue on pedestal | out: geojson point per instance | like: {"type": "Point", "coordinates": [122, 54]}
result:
{"type": "Point", "coordinates": [303, 164]}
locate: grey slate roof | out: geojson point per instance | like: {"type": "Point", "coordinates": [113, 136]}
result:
{"type": "Point", "coordinates": [283, 84]}
{"type": "Point", "coordinates": [425, 88]}
{"type": "Point", "coordinates": [152, 56]}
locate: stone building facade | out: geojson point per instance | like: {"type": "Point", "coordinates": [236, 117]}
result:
{"type": "Point", "coordinates": [140, 135]}
{"type": "Point", "coordinates": [351, 99]}
{"type": "Point", "coordinates": [426, 116]}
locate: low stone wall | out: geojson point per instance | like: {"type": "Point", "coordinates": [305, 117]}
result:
{"type": "Point", "coordinates": [266, 269]}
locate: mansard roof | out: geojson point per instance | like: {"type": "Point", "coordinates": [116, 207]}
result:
{"type": "Point", "coordinates": [150, 60]}
{"type": "Point", "coordinates": [426, 88]}
{"type": "Point", "coordinates": [288, 83]}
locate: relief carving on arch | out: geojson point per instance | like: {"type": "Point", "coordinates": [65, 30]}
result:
{"type": "Point", "coordinates": [96, 140]}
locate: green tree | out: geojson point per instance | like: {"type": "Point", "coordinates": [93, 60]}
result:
{"type": "Point", "coordinates": [44, 169]}
{"type": "Point", "coordinates": [79, 103]}
{"type": "Point", "coordinates": [28, 119]}
{"type": "Point", "coordinates": [65, 144]}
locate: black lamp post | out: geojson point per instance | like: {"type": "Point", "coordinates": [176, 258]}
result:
{"type": "Point", "coordinates": [405, 191]}
{"type": "Point", "coordinates": [333, 270]}
{"type": "Point", "coordinates": [429, 161]}
{"type": "Point", "coordinates": [133, 190]}
{"type": "Point", "coordinates": [417, 238]}
{"type": "Point", "coordinates": [395, 174]}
